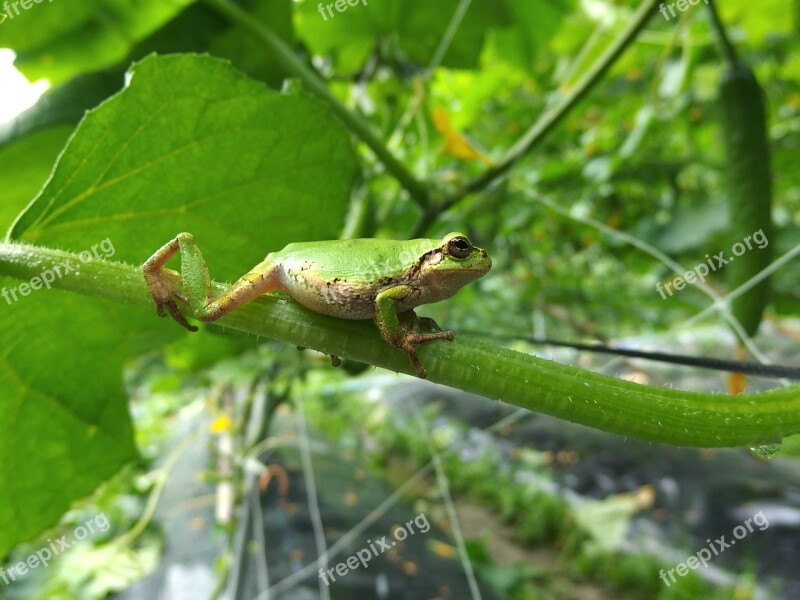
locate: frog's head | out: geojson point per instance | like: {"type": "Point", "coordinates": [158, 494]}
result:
{"type": "Point", "coordinates": [451, 265]}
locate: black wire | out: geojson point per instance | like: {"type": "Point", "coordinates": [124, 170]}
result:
{"type": "Point", "coordinates": [703, 362]}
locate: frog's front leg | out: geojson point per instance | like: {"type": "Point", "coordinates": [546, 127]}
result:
{"type": "Point", "coordinates": [197, 283]}
{"type": "Point", "coordinates": [400, 336]}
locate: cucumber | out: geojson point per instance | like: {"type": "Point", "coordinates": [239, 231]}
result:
{"type": "Point", "coordinates": [749, 187]}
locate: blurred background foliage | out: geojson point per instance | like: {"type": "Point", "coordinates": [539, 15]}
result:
{"type": "Point", "coordinates": [449, 87]}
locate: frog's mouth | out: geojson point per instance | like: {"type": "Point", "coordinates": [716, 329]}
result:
{"type": "Point", "coordinates": [465, 273]}
{"type": "Point", "coordinates": [461, 273]}
{"type": "Point", "coordinates": [482, 266]}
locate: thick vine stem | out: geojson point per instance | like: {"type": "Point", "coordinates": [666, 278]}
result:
{"type": "Point", "coordinates": [651, 413]}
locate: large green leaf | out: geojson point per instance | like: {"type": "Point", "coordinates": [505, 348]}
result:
{"type": "Point", "coordinates": [64, 422]}
{"type": "Point", "coordinates": [186, 146]}
{"type": "Point", "coordinates": [26, 165]}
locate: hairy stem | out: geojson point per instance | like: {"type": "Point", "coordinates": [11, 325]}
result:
{"type": "Point", "coordinates": [630, 409]}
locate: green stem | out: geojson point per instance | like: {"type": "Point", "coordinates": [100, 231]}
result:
{"type": "Point", "coordinates": [727, 47]}
{"type": "Point", "coordinates": [312, 81]}
{"type": "Point", "coordinates": [629, 409]}
{"type": "Point", "coordinates": [552, 118]}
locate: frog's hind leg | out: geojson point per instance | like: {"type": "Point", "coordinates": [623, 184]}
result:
{"type": "Point", "coordinates": [263, 278]}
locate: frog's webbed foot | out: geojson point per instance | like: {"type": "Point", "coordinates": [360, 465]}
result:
{"type": "Point", "coordinates": [165, 295]}
{"type": "Point", "coordinates": [163, 290]}
{"type": "Point", "coordinates": [176, 314]}
{"type": "Point", "coordinates": [412, 337]}
{"type": "Point", "coordinates": [410, 340]}
{"type": "Point", "coordinates": [402, 329]}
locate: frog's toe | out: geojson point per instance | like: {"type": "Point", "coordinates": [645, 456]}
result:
{"type": "Point", "coordinates": [175, 312]}
{"type": "Point", "coordinates": [161, 290]}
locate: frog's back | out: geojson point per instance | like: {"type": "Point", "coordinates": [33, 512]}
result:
{"type": "Point", "coordinates": [362, 260]}
{"type": "Point", "coordinates": [342, 277]}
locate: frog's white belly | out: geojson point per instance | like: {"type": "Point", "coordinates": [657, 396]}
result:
{"type": "Point", "coordinates": [353, 296]}
{"type": "Point", "coordinates": [340, 297]}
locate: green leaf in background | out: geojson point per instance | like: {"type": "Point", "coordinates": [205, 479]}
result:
{"type": "Point", "coordinates": [519, 30]}
{"type": "Point", "coordinates": [26, 165]}
{"type": "Point", "coordinates": [532, 26]}
{"type": "Point", "coordinates": [246, 52]}
{"type": "Point", "coordinates": [84, 36]}
{"type": "Point", "coordinates": [350, 36]}
{"type": "Point", "coordinates": [326, 37]}
{"type": "Point", "coordinates": [63, 105]}
{"type": "Point", "coordinates": [607, 520]}
{"type": "Point", "coordinates": [186, 146]}
{"type": "Point", "coordinates": [64, 422]}
{"type": "Point", "coordinates": [42, 24]}
{"type": "Point", "coordinates": [760, 20]}
{"type": "Point", "coordinates": [195, 29]}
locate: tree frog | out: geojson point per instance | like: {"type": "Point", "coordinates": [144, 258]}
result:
{"type": "Point", "coordinates": [383, 280]}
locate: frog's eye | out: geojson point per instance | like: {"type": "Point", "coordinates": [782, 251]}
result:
{"type": "Point", "coordinates": [459, 247]}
